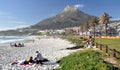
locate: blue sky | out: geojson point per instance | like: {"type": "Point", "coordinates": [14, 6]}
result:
{"type": "Point", "coordinates": [20, 13]}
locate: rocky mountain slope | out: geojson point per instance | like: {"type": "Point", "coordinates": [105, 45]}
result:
{"type": "Point", "coordinates": [70, 17]}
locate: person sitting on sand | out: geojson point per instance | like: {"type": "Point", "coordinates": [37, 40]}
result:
{"type": "Point", "coordinates": [12, 44]}
{"type": "Point", "coordinates": [20, 45]}
{"type": "Point", "coordinates": [15, 45]}
{"type": "Point", "coordinates": [24, 62]}
{"type": "Point", "coordinates": [39, 58]}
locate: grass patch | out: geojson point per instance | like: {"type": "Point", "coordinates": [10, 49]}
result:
{"type": "Point", "coordinates": [84, 60]}
{"type": "Point", "coordinates": [75, 40]}
{"type": "Point", "coordinates": [112, 43]}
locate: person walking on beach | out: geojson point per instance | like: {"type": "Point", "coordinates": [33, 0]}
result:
{"type": "Point", "coordinates": [39, 58]}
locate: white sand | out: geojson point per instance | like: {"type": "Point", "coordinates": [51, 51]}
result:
{"type": "Point", "coordinates": [51, 48]}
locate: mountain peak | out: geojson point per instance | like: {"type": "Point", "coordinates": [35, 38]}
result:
{"type": "Point", "coordinates": [70, 8]}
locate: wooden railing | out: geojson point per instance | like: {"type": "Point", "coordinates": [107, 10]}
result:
{"type": "Point", "coordinates": [109, 37]}
{"type": "Point", "coordinates": [111, 52]}
{"type": "Point", "coordinates": [105, 48]}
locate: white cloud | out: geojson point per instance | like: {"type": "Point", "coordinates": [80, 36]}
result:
{"type": "Point", "coordinates": [10, 17]}
{"type": "Point", "coordinates": [6, 15]}
{"type": "Point", "coordinates": [22, 26]}
{"type": "Point", "coordinates": [8, 20]}
{"type": "Point", "coordinates": [115, 18]}
{"type": "Point", "coordinates": [79, 5]}
{"type": "Point", "coordinates": [17, 22]}
{"type": "Point", "coordinates": [13, 28]}
{"type": "Point", "coordinates": [3, 13]}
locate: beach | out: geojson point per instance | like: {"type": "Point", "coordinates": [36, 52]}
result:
{"type": "Point", "coordinates": [52, 48]}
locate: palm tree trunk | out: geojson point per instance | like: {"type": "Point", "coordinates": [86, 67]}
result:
{"type": "Point", "coordinates": [86, 33]}
{"type": "Point", "coordinates": [101, 31]}
{"type": "Point", "coordinates": [106, 29]}
{"type": "Point", "coordinates": [94, 31]}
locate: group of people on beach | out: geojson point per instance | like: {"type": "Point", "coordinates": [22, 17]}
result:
{"type": "Point", "coordinates": [38, 60]}
{"type": "Point", "coordinates": [90, 42]}
{"type": "Point", "coordinates": [17, 44]}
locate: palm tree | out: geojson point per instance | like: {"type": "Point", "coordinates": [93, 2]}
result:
{"type": "Point", "coordinates": [86, 27]}
{"type": "Point", "coordinates": [81, 29]}
{"type": "Point", "coordinates": [104, 19]}
{"type": "Point", "coordinates": [93, 23]}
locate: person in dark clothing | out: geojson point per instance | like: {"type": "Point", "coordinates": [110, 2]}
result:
{"type": "Point", "coordinates": [15, 45]}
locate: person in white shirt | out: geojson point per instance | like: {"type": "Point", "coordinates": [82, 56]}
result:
{"type": "Point", "coordinates": [39, 58]}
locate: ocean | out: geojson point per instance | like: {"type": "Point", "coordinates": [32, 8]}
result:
{"type": "Point", "coordinates": [8, 39]}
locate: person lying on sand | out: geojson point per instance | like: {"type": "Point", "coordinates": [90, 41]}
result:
{"type": "Point", "coordinates": [24, 62]}
{"type": "Point", "coordinates": [30, 61]}
{"type": "Point", "coordinates": [16, 45]}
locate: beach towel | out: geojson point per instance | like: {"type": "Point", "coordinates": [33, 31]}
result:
{"type": "Point", "coordinates": [26, 64]}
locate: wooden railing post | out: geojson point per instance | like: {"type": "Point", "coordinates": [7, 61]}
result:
{"type": "Point", "coordinates": [96, 45]}
{"type": "Point", "coordinates": [114, 53]}
{"type": "Point", "coordinates": [100, 46]}
{"type": "Point", "coordinates": [106, 49]}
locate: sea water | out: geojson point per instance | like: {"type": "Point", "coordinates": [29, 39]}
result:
{"type": "Point", "coordinates": [7, 39]}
